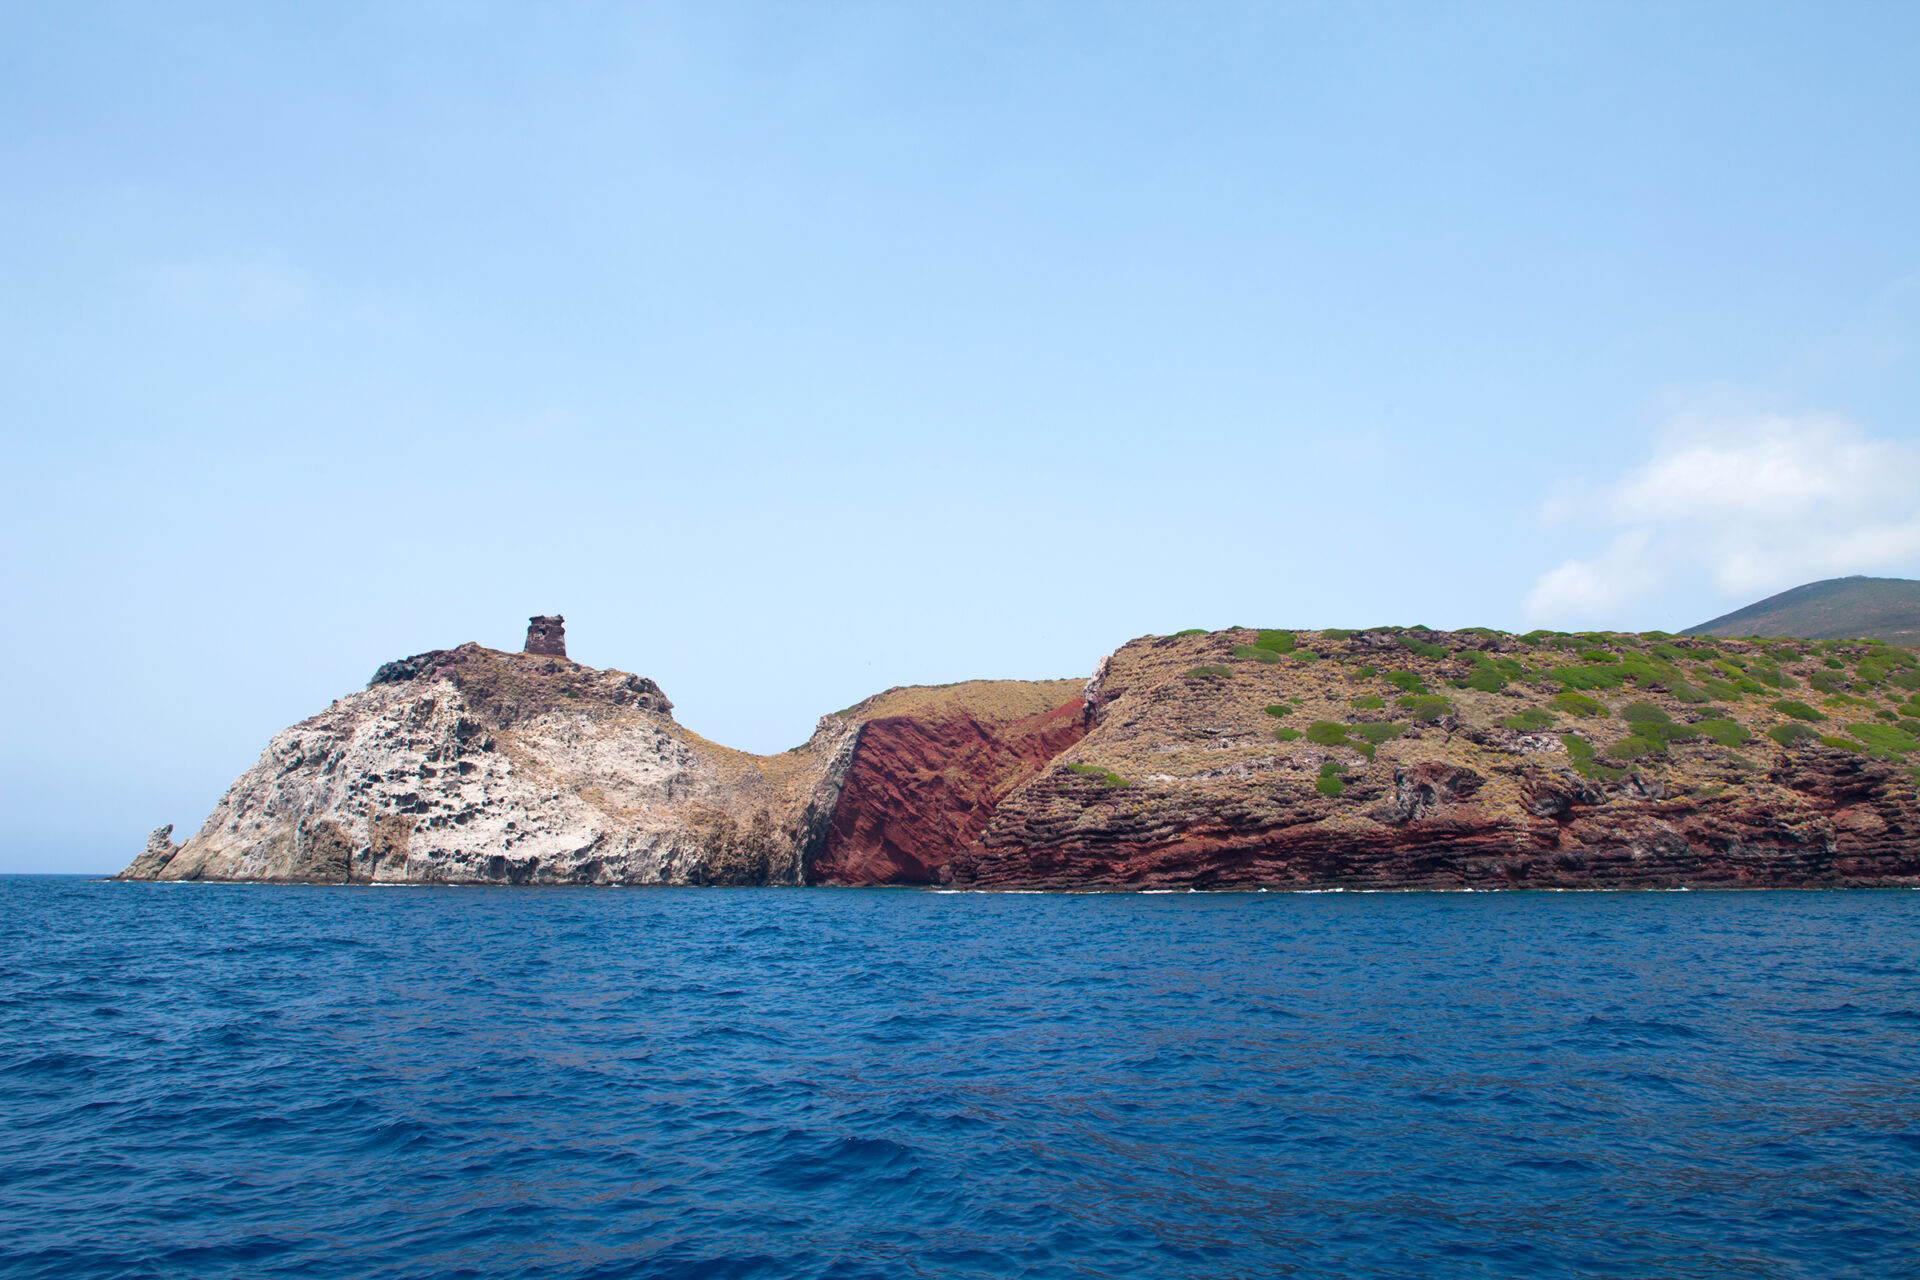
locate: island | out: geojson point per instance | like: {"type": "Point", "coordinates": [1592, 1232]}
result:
{"type": "Point", "coordinates": [1244, 758]}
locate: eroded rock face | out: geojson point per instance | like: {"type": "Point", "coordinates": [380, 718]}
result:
{"type": "Point", "coordinates": [473, 766]}
{"type": "Point", "coordinates": [926, 781]}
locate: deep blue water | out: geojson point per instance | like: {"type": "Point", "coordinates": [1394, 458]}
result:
{"type": "Point", "coordinates": [258, 1081]}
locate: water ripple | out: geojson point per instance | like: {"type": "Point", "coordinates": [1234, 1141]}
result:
{"type": "Point", "coordinates": [259, 1081]}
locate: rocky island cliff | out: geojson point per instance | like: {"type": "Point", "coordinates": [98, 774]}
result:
{"type": "Point", "coordinates": [1381, 758]}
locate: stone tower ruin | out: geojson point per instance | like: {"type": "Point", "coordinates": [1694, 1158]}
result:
{"type": "Point", "coordinates": [547, 636]}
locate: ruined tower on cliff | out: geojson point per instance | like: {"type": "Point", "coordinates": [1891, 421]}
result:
{"type": "Point", "coordinates": [547, 636]}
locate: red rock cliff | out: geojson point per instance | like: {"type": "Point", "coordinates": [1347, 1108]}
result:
{"type": "Point", "coordinates": [926, 780]}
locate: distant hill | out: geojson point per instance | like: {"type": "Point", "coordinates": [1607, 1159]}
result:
{"type": "Point", "coordinates": [1837, 609]}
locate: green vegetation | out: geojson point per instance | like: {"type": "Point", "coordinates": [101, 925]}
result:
{"type": "Point", "coordinates": [1407, 680]}
{"type": "Point", "coordinates": [1798, 710]}
{"type": "Point", "coordinates": [1635, 747]}
{"type": "Point", "coordinates": [1365, 673]}
{"type": "Point", "coordinates": [1325, 733]}
{"type": "Point", "coordinates": [1193, 631]}
{"type": "Point", "coordinates": [1533, 719]}
{"type": "Point", "coordinates": [1107, 777]}
{"type": "Point", "coordinates": [1255, 653]}
{"type": "Point", "coordinates": [1720, 689]}
{"type": "Point", "coordinates": [1884, 738]}
{"type": "Point", "coordinates": [1668, 652]}
{"type": "Point", "coordinates": [1212, 671]}
{"type": "Point", "coordinates": [1338, 633]}
{"type": "Point", "coordinates": [1368, 702]}
{"type": "Point", "coordinates": [1330, 783]}
{"type": "Point", "coordinates": [1725, 732]}
{"type": "Point", "coordinates": [1684, 692]}
{"type": "Point", "coordinates": [1651, 724]}
{"type": "Point", "coordinates": [1825, 681]}
{"type": "Point", "coordinates": [1424, 648]}
{"type": "Point", "coordinates": [1278, 641]}
{"type": "Point", "coordinates": [1426, 707]}
{"type": "Point", "coordinates": [1377, 732]}
{"type": "Point", "coordinates": [1286, 734]}
{"type": "Point", "coordinates": [1788, 734]}
{"type": "Point", "coordinates": [1280, 711]}
{"type": "Point", "coordinates": [1582, 754]}
{"type": "Point", "coordinates": [1577, 704]}
{"type": "Point", "coordinates": [1591, 677]}
{"type": "Point", "coordinates": [1487, 676]}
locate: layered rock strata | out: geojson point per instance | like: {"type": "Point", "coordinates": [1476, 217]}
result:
{"type": "Point", "coordinates": [1186, 779]}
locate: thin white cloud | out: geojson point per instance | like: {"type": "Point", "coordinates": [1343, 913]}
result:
{"type": "Point", "coordinates": [1755, 504]}
{"type": "Point", "coordinates": [251, 288]}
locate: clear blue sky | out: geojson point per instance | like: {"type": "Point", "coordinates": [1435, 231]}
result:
{"type": "Point", "coordinates": [797, 351]}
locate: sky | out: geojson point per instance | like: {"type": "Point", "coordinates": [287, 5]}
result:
{"type": "Point", "coordinates": [797, 351]}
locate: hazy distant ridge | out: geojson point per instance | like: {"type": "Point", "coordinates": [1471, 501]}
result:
{"type": "Point", "coordinates": [1838, 608]}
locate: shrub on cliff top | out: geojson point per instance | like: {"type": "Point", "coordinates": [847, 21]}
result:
{"type": "Point", "coordinates": [1684, 692]}
{"type": "Point", "coordinates": [1577, 704]}
{"type": "Point", "coordinates": [1720, 689]}
{"type": "Point", "coordinates": [1426, 707]}
{"type": "Point", "coordinates": [1407, 680]}
{"type": "Point", "coordinates": [1591, 677]}
{"type": "Point", "coordinates": [1278, 641]}
{"type": "Point", "coordinates": [1193, 631]}
{"type": "Point", "coordinates": [1884, 738]}
{"type": "Point", "coordinates": [1725, 732]}
{"type": "Point", "coordinates": [1255, 653]}
{"type": "Point", "coordinates": [1581, 752]}
{"type": "Point", "coordinates": [1636, 747]}
{"type": "Point", "coordinates": [1338, 633]}
{"type": "Point", "coordinates": [1424, 648]}
{"type": "Point", "coordinates": [1798, 710]}
{"type": "Point", "coordinates": [1325, 733]}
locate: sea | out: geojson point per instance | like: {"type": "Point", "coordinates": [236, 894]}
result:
{"type": "Point", "coordinates": [251, 1080]}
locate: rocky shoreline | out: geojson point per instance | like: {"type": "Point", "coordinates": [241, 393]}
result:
{"type": "Point", "coordinates": [1387, 759]}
